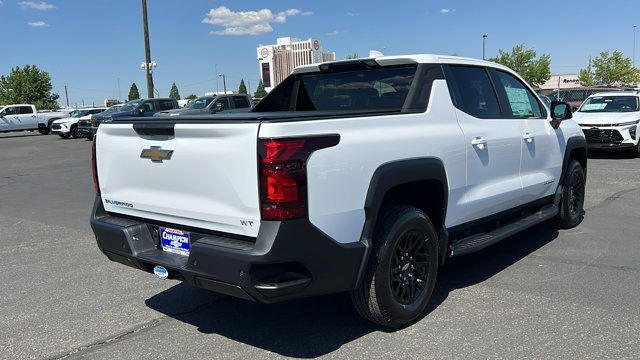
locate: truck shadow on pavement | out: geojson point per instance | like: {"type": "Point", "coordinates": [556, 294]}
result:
{"type": "Point", "coordinates": [313, 327]}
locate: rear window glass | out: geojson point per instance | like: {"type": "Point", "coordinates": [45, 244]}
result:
{"type": "Point", "coordinates": [165, 105]}
{"type": "Point", "coordinates": [362, 90]}
{"type": "Point", "coordinates": [240, 102]}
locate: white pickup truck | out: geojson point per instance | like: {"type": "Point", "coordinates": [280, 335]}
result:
{"type": "Point", "coordinates": [362, 176]}
{"type": "Point", "coordinates": [19, 117]}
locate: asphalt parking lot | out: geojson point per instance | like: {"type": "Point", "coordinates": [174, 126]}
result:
{"type": "Point", "coordinates": [541, 294]}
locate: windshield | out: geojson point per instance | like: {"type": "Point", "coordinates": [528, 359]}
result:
{"type": "Point", "coordinates": [199, 103]}
{"type": "Point", "coordinates": [113, 109]}
{"type": "Point", "coordinates": [79, 113]}
{"type": "Point", "coordinates": [129, 106]}
{"type": "Point", "coordinates": [610, 104]}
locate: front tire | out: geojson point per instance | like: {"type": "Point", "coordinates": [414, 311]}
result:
{"type": "Point", "coordinates": [572, 201]}
{"type": "Point", "coordinates": [636, 151]}
{"type": "Point", "coordinates": [402, 269]}
{"type": "Point", "coordinates": [65, 135]}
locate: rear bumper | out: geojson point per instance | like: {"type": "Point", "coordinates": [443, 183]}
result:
{"type": "Point", "coordinates": [288, 260]}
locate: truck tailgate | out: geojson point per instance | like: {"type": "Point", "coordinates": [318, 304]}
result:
{"type": "Point", "coordinates": [209, 180]}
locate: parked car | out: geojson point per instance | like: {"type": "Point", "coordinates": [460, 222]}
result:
{"type": "Point", "coordinates": [610, 120]}
{"type": "Point", "coordinates": [20, 117]}
{"type": "Point", "coordinates": [206, 105]}
{"type": "Point", "coordinates": [575, 96]}
{"type": "Point", "coordinates": [67, 127]}
{"type": "Point", "coordinates": [133, 108]}
{"type": "Point", "coordinates": [545, 99]}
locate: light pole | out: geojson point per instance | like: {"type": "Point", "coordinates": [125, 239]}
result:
{"type": "Point", "coordinates": [484, 40]}
{"type": "Point", "coordinates": [217, 87]}
{"type": "Point", "coordinates": [147, 50]}
{"type": "Point", "coordinates": [224, 82]}
{"type": "Point", "coordinates": [634, 45]}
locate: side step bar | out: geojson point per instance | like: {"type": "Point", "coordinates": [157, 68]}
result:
{"type": "Point", "coordinates": [477, 242]}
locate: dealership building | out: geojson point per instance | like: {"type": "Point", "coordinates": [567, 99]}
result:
{"type": "Point", "coordinates": [277, 61]}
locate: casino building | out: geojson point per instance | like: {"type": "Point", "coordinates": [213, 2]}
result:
{"type": "Point", "coordinates": [277, 61]}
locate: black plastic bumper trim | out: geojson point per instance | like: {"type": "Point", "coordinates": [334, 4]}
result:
{"type": "Point", "coordinates": [290, 259]}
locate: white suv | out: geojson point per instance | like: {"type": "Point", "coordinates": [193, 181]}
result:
{"type": "Point", "coordinates": [610, 120]}
{"type": "Point", "coordinates": [67, 127]}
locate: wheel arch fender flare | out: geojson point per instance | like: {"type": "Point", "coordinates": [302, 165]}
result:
{"type": "Point", "coordinates": [393, 174]}
{"type": "Point", "coordinates": [576, 149]}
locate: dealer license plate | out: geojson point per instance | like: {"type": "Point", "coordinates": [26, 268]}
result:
{"type": "Point", "coordinates": [175, 241]}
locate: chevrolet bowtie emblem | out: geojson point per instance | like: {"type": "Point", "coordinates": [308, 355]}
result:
{"type": "Point", "coordinates": [156, 154]}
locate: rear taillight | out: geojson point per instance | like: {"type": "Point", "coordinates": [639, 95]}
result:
{"type": "Point", "coordinates": [94, 167]}
{"type": "Point", "coordinates": [283, 174]}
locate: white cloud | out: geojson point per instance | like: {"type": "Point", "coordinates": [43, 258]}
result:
{"type": "Point", "coordinates": [34, 5]}
{"type": "Point", "coordinates": [246, 22]}
{"type": "Point", "coordinates": [37, 24]}
{"type": "Point", "coordinates": [350, 14]}
{"type": "Point", "coordinates": [0, 2]}
{"type": "Point", "coordinates": [306, 13]}
{"type": "Point", "coordinates": [333, 33]}
{"type": "Point", "coordinates": [446, 11]}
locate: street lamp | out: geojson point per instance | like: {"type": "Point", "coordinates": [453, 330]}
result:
{"type": "Point", "coordinates": [634, 45]}
{"type": "Point", "coordinates": [148, 66]}
{"type": "Point", "coordinates": [224, 82]}
{"type": "Point", "coordinates": [484, 39]}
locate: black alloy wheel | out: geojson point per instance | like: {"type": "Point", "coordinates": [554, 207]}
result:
{"type": "Point", "coordinates": [402, 268]}
{"type": "Point", "coordinates": [571, 207]}
{"type": "Point", "coordinates": [409, 268]}
{"type": "Point", "coordinates": [576, 194]}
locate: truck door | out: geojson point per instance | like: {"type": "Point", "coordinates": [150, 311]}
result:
{"type": "Point", "coordinates": [27, 117]}
{"type": "Point", "coordinates": [493, 143]}
{"type": "Point", "coordinates": [10, 120]}
{"type": "Point", "coordinates": [541, 163]}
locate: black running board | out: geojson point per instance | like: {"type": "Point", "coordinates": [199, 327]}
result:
{"type": "Point", "coordinates": [478, 242]}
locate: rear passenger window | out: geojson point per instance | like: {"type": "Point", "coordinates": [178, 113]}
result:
{"type": "Point", "coordinates": [472, 91]}
{"type": "Point", "coordinates": [165, 105]}
{"type": "Point", "coordinates": [25, 110]}
{"type": "Point", "coordinates": [516, 99]}
{"type": "Point", "coordinates": [240, 102]}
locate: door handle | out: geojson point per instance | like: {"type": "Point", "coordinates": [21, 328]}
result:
{"type": "Point", "coordinates": [528, 137]}
{"type": "Point", "coordinates": [479, 142]}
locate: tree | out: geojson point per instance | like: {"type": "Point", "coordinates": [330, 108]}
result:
{"type": "Point", "coordinates": [354, 56]}
{"type": "Point", "coordinates": [173, 93]}
{"type": "Point", "coordinates": [534, 71]}
{"type": "Point", "coordinates": [133, 92]}
{"type": "Point", "coordinates": [261, 92]}
{"type": "Point", "coordinates": [610, 69]}
{"type": "Point", "coordinates": [191, 97]}
{"type": "Point", "coordinates": [28, 85]}
{"type": "Point", "coordinates": [242, 89]}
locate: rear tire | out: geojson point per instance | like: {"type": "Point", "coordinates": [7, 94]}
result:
{"type": "Point", "coordinates": [571, 204]}
{"type": "Point", "coordinates": [44, 131]}
{"type": "Point", "coordinates": [402, 269]}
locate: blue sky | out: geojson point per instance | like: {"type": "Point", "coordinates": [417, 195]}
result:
{"type": "Point", "coordinates": [92, 45]}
